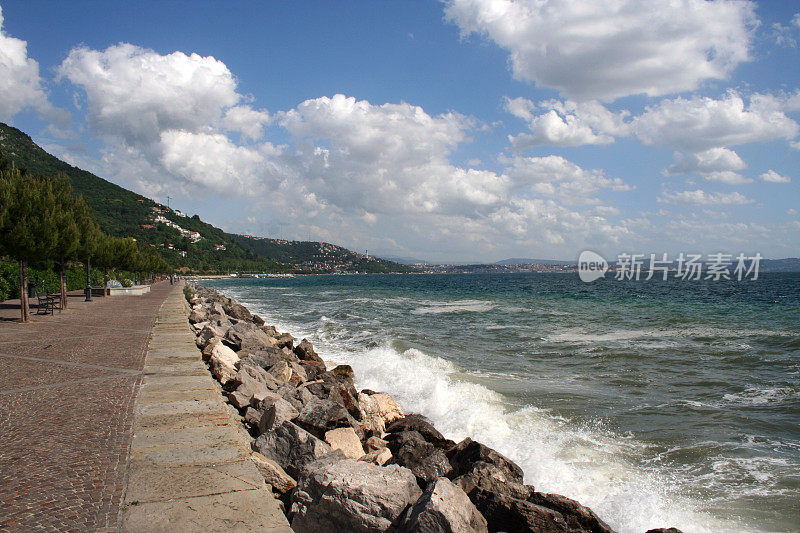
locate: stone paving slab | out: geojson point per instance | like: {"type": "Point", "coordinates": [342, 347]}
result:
{"type": "Point", "coordinates": [67, 391]}
{"type": "Point", "coordinates": [189, 467]}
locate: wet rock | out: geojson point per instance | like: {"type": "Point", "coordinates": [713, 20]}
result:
{"type": "Point", "coordinates": [291, 447]}
{"type": "Point", "coordinates": [512, 515]}
{"type": "Point", "coordinates": [273, 474]}
{"type": "Point", "coordinates": [346, 440]}
{"type": "Point", "coordinates": [578, 517]}
{"type": "Point", "coordinates": [443, 508]}
{"type": "Point", "coordinates": [468, 452]}
{"type": "Point", "coordinates": [305, 352]}
{"type": "Point", "coordinates": [410, 449]}
{"type": "Point", "coordinates": [344, 371]}
{"type": "Point", "coordinates": [421, 425]}
{"type": "Point", "coordinates": [257, 320]}
{"type": "Point", "coordinates": [353, 496]}
{"type": "Point", "coordinates": [491, 478]}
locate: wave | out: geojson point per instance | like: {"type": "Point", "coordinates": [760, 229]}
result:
{"type": "Point", "coordinates": [756, 396]}
{"type": "Point", "coordinates": [585, 462]}
{"type": "Point", "coordinates": [476, 306]}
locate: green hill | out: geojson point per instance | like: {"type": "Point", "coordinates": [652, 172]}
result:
{"type": "Point", "coordinates": [124, 213]}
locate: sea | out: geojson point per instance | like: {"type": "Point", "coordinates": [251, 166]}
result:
{"type": "Point", "coordinates": [656, 403]}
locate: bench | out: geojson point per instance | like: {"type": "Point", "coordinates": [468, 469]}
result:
{"type": "Point", "coordinates": [48, 303]}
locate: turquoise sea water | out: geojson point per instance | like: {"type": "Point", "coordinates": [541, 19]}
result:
{"type": "Point", "coordinates": [656, 403]}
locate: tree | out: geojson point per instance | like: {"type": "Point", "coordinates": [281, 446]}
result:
{"type": "Point", "coordinates": [68, 242]}
{"type": "Point", "coordinates": [90, 235]}
{"type": "Point", "coordinates": [29, 232]}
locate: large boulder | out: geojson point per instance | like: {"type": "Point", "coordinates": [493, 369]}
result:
{"type": "Point", "coordinates": [291, 447]}
{"type": "Point", "coordinates": [578, 517]}
{"type": "Point", "coordinates": [284, 340]}
{"type": "Point", "coordinates": [379, 409]}
{"type": "Point", "coordinates": [223, 363]}
{"type": "Point", "coordinates": [491, 478]}
{"type": "Point", "coordinates": [443, 508]}
{"type": "Point", "coordinates": [421, 425]}
{"type": "Point", "coordinates": [274, 412]}
{"type": "Point", "coordinates": [209, 332]}
{"type": "Point", "coordinates": [253, 371]}
{"type": "Point", "coordinates": [305, 352]}
{"type": "Point", "coordinates": [512, 515]}
{"type": "Point", "coordinates": [281, 371]}
{"type": "Point", "coordinates": [273, 473]}
{"type": "Point", "coordinates": [346, 440]}
{"type": "Point", "coordinates": [248, 387]}
{"type": "Point", "coordinates": [254, 340]}
{"type": "Point", "coordinates": [411, 450]}
{"type": "Point", "coordinates": [237, 311]}
{"type": "Point", "coordinates": [468, 452]}
{"type": "Point", "coordinates": [196, 316]}
{"type": "Point", "coordinates": [353, 496]}
{"type": "Point", "coordinates": [319, 416]}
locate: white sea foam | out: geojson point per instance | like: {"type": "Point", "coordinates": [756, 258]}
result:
{"type": "Point", "coordinates": [586, 463]}
{"type": "Point", "coordinates": [756, 396]}
{"type": "Point", "coordinates": [456, 306]}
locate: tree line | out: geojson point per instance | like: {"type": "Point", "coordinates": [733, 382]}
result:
{"type": "Point", "coordinates": [44, 224]}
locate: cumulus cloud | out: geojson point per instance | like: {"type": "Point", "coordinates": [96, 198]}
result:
{"type": "Point", "coordinates": [605, 50]}
{"type": "Point", "coordinates": [246, 120]}
{"type": "Point", "coordinates": [726, 176]}
{"type": "Point", "coordinates": [771, 176]}
{"type": "Point", "coordinates": [134, 94]}
{"type": "Point", "coordinates": [701, 197]}
{"type": "Point", "coordinates": [701, 123]}
{"type": "Point", "coordinates": [20, 84]}
{"type": "Point", "coordinates": [566, 123]}
{"type": "Point", "coordinates": [711, 160]}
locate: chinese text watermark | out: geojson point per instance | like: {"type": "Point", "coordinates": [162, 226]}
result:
{"type": "Point", "coordinates": [689, 267]}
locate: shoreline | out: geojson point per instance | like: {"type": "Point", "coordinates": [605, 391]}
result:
{"type": "Point", "coordinates": [320, 431]}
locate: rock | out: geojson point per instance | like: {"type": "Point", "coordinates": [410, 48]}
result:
{"type": "Point", "coordinates": [411, 450]}
{"type": "Point", "coordinates": [491, 478]}
{"type": "Point", "coordinates": [196, 316]}
{"type": "Point", "coordinates": [274, 412]}
{"type": "Point", "coordinates": [352, 496]}
{"type": "Point", "coordinates": [273, 474]}
{"type": "Point", "coordinates": [305, 352]}
{"type": "Point", "coordinates": [269, 330]}
{"type": "Point", "coordinates": [467, 452]}
{"type": "Point", "coordinates": [421, 425]}
{"type": "Point", "coordinates": [379, 457]}
{"type": "Point", "coordinates": [281, 371]}
{"type": "Point", "coordinates": [313, 369]}
{"type": "Point", "coordinates": [512, 515]}
{"type": "Point", "coordinates": [257, 373]}
{"type": "Point", "coordinates": [206, 334]}
{"type": "Point", "coordinates": [223, 363]}
{"type": "Point", "coordinates": [375, 443]}
{"type": "Point", "coordinates": [664, 530]}
{"type": "Point", "coordinates": [344, 397]}
{"type": "Point", "coordinates": [344, 371]}
{"type": "Point", "coordinates": [291, 447]}
{"type": "Point", "coordinates": [298, 373]}
{"type": "Point", "coordinates": [372, 420]}
{"type": "Point", "coordinates": [319, 416]}
{"type": "Point", "coordinates": [248, 387]}
{"type": "Point", "coordinates": [257, 320]}
{"type": "Point", "coordinates": [346, 440]}
{"type": "Point", "coordinates": [577, 516]}
{"type": "Point", "coordinates": [237, 332]}
{"type": "Point", "coordinates": [207, 351]}
{"type": "Point", "coordinates": [252, 416]}
{"type": "Point", "coordinates": [237, 311]}
{"type": "Point", "coordinates": [284, 340]}
{"type": "Point", "coordinates": [298, 397]}
{"type": "Point", "coordinates": [387, 408]}
{"type": "Point", "coordinates": [256, 339]}
{"type": "Point", "coordinates": [443, 508]}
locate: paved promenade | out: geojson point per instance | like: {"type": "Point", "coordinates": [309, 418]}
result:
{"type": "Point", "coordinates": [67, 388]}
{"type": "Point", "coordinates": [190, 467]}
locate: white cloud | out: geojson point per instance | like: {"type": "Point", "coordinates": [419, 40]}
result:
{"type": "Point", "coordinates": [554, 176]}
{"type": "Point", "coordinates": [771, 176]}
{"type": "Point", "coordinates": [711, 160]}
{"type": "Point", "coordinates": [700, 123]}
{"type": "Point", "coordinates": [701, 197]}
{"type": "Point", "coordinates": [135, 94]}
{"type": "Point", "coordinates": [20, 85]}
{"type": "Point", "coordinates": [796, 20]}
{"type": "Point", "coordinates": [250, 122]}
{"type": "Point", "coordinates": [783, 35]}
{"type": "Point", "coordinates": [605, 50]}
{"type": "Point", "coordinates": [566, 123]}
{"type": "Point", "coordinates": [726, 176]}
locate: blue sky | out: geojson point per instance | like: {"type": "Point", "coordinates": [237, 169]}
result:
{"type": "Point", "coordinates": [464, 130]}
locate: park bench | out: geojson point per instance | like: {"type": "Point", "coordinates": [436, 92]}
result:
{"type": "Point", "coordinates": [48, 303]}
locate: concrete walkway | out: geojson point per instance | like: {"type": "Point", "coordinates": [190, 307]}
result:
{"type": "Point", "coordinates": [189, 467]}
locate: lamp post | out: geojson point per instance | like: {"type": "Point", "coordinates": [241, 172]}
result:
{"type": "Point", "coordinates": [88, 281]}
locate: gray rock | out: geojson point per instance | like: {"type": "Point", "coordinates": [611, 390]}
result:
{"type": "Point", "coordinates": [284, 340]}
{"type": "Point", "coordinates": [491, 478]}
{"type": "Point", "coordinates": [305, 351]}
{"type": "Point", "coordinates": [196, 316]}
{"type": "Point", "coordinates": [281, 371]}
{"type": "Point", "coordinates": [206, 334]}
{"type": "Point", "coordinates": [257, 373]}
{"type": "Point", "coordinates": [319, 416]}
{"type": "Point", "coordinates": [443, 508]}
{"type": "Point", "coordinates": [411, 450]}
{"type": "Point", "coordinates": [291, 447]}
{"type": "Point", "coordinates": [275, 411]}
{"type": "Point", "coordinates": [421, 425]}
{"type": "Point", "coordinates": [467, 452]}
{"type": "Point", "coordinates": [256, 339]}
{"type": "Point", "coordinates": [237, 311]}
{"type": "Point", "coordinates": [353, 496]}
{"type": "Point", "coordinates": [578, 517]}
{"type": "Point", "coordinates": [273, 474]}
{"type": "Point", "coordinates": [512, 515]}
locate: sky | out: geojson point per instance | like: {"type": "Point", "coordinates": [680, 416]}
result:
{"type": "Point", "coordinates": [463, 130]}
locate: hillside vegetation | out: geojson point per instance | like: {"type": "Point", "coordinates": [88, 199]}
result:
{"type": "Point", "coordinates": [123, 213]}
